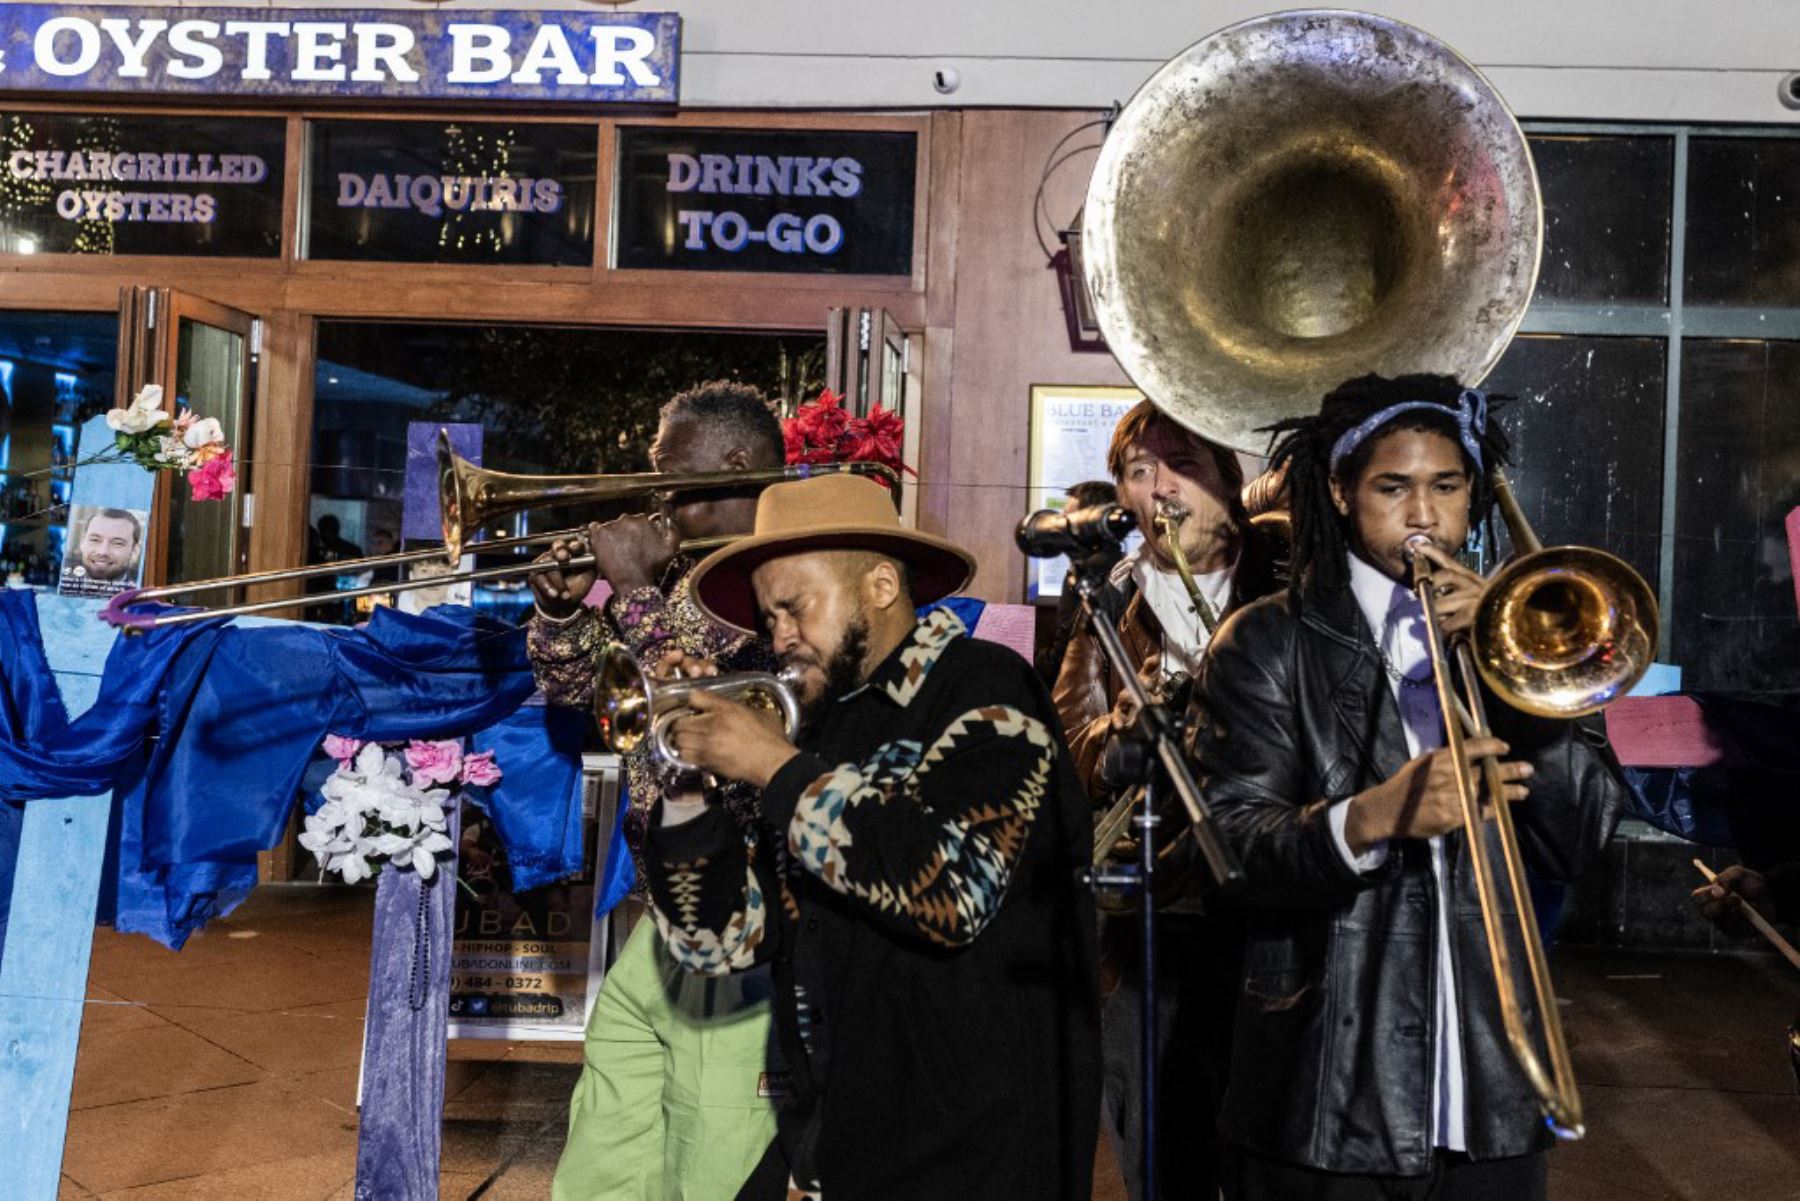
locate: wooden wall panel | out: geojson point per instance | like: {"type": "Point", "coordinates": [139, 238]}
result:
{"type": "Point", "coordinates": [1009, 330]}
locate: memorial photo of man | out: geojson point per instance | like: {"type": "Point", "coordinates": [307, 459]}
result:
{"type": "Point", "coordinates": [105, 552]}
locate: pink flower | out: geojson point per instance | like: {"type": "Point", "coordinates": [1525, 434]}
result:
{"type": "Point", "coordinates": [213, 480]}
{"type": "Point", "coordinates": [342, 749]}
{"type": "Point", "coordinates": [480, 770]}
{"type": "Point", "coordinates": [434, 762]}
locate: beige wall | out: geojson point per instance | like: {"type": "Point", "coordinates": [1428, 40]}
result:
{"type": "Point", "coordinates": [1006, 332]}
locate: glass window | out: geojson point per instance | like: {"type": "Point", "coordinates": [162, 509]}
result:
{"type": "Point", "coordinates": [1606, 217]}
{"type": "Point", "coordinates": [548, 400]}
{"type": "Point", "coordinates": [1743, 221]}
{"type": "Point", "coordinates": [451, 192]}
{"type": "Point", "coordinates": [75, 183]}
{"type": "Point", "coordinates": [1587, 441]}
{"type": "Point", "coordinates": [56, 372]}
{"type": "Point", "coordinates": [1736, 622]}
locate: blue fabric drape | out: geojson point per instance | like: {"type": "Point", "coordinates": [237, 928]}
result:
{"type": "Point", "coordinates": [240, 713]}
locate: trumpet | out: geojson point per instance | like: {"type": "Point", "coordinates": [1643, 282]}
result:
{"type": "Point", "coordinates": [1558, 633]}
{"type": "Point", "coordinates": [470, 497]}
{"type": "Point", "coordinates": [631, 707]}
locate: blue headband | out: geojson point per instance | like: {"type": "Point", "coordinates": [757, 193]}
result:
{"type": "Point", "coordinates": [1471, 423]}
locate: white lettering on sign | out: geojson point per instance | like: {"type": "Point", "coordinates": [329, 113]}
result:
{"type": "Point", "coordinates": [550, 48]}
{"type": "Point", "coordinates": [319, 51]}
{"type": "Point", "coordinates": [256, 35]}
{"type": "Point", "coordinates": [486, 45]}
{"type": "Point", "coordinates": [162, 207]}
{"type": "Point", "coordinates": [44, 46]}
{"type": "Point", "coordinates": [193, 42]}
{"type": "Point", "coordinates": [762, 175]}
{"type": "Point", "coordinates": [381, 51]}
{"type": "Point", "coordinates": [433, 195]}
{"type": "Point", "coordinates": [626, 48]}
{"type": "Point", "coordinates": [785, 233]}
{"type": "Point", "coordinates": [136, 166]}
{"type": "Point", "coordinates": [131, 52]}
{"type": "Point", "coordinates": [312, 49]}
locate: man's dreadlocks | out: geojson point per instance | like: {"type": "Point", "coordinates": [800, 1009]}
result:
{"type": "Point", "coordinates": [1303, 448]}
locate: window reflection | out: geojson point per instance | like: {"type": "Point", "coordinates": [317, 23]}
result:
{"type": "Point", "coordinates": [56, 371]}
{"type": "Point", "coordinates": [548, 401]}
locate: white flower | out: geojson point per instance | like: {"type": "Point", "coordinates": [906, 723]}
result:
{"type": "Point", "coordinates": [144, 413]}
{"type": "Point", "coordinates": [204, 431]}
{"type": "Point", "coordinates": [170, 450]}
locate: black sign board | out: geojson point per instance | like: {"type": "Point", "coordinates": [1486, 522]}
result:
{"type": "Point", "coordinates": [78, 183]}
{"type": "Point", "coordinates": [830, 202]}
{"type": "Point", "coordinates": [452, 192]}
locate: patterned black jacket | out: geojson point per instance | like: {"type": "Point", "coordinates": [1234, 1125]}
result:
{"type": "Point", "coordinates": [915, 887]}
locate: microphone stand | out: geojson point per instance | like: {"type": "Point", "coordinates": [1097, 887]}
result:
{"type": "Point", "coordinates": [1159, 729]}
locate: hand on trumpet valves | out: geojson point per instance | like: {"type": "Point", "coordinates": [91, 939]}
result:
{"type": "Point", "coordinates": [1421, 799]}
{"type": "Point", "coordinates": [1723, 900]}
{"type": "Point", "coordinates": [1456, 589]}
{"type": "Point", "coordinates": [729, 740]}
{"type": "Point", "coordinates": [559, 593]}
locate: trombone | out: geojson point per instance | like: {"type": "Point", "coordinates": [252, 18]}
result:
{"type": "Point", "coordinates": [1557, 633]}
{"type": "Point", "coordinates": [470, 497]}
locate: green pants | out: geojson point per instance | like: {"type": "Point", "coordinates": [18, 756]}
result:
{"type": "Point", "coordinates": [671, 1104]}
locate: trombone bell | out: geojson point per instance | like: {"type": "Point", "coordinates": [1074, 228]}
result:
{"type": "Point", "coordinates": [1564, 632]}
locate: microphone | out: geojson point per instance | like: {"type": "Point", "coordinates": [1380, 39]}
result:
{"type": "Point", "coordinates": [1047, 533]}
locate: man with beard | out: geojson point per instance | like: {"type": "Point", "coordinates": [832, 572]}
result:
{"type": "Point", "coordinates": [1159, 466]}
{"type": "Point", "coordinates": [674, 1095]}
{"type": "Point", "coordinates": [913, 879]}
{"type": "Point", "coordinates": [1369, 1059]}
{"type": "Point", "coordinates": [108, 547]}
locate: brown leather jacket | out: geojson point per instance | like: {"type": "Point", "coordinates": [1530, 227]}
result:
{"type": "Point", "coordinates": [1086, 685]}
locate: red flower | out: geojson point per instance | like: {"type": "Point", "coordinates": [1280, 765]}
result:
{"type": "Point", "coordinates": [793, 438]}
{"type": "Point", "coordinates": [878, 438]}
{"type": "Point", "coordinates": [823, 422]}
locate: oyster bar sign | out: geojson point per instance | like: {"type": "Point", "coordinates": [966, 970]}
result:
{"type": "Point", "coordinates": [456, 54]}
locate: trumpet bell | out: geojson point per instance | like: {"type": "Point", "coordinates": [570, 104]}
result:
{"type": "Point", "coordinates": [1304, 198]}
{"type": "Point", "coordinates": [1563, 632]}
{"type": "Point", "coordinates": [623, 702]}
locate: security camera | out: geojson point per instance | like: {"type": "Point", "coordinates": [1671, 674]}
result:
{"type": "Point", "coordinates": [946, 79]}
{"type": "Point", "coordinates": [1789, 91]}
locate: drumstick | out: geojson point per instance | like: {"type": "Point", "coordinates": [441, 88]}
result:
{"type": "Point", "coordinates": [1758, 920]}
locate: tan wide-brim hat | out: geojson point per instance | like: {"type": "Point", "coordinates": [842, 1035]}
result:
{"type": "Point", "coordinates": [830, 512]}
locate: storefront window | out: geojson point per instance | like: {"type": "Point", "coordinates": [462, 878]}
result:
{"type": "Point", "coordinates": [75, 183]}
{"type": "Point", "coordinates": [56, 371]}
{"type": "Point", "coordinates": [548, 401]}
{"type": "Point", "coordinates": [1601, 423]}
{"type": "Point", "coordinates": [1606, 217]}
{"type": "Point", "coordinates": [1586, 430]}
{"type": "Point", "coordinates": [1740, 453]}
{"type": "Point", "coordinates": [1743, 221]}
{"type": "Point", "coordinates": [451, 192]}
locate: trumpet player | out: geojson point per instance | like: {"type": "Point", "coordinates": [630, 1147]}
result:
{"type": "Point", "coordinates": [1163, 470]}
{"type": "Point", "coordinates": [1369, 1057]}
{"type": "Point", "coordinates": [912, 880]}
{"type": "Point", "coordinates": [676, 1091]}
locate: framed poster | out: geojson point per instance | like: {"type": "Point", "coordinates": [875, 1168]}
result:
{"type": "Point", "coordinates": [1071, 428]}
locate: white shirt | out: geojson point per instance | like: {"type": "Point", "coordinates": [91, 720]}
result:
{"type": "Point", "coordinates": [1184, 634]}
{"type": "Point", "coordinates": [1397, 622]}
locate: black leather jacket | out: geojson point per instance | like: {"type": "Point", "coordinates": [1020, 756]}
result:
{"type": "Point", "coordinates": [1332, 1065]}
